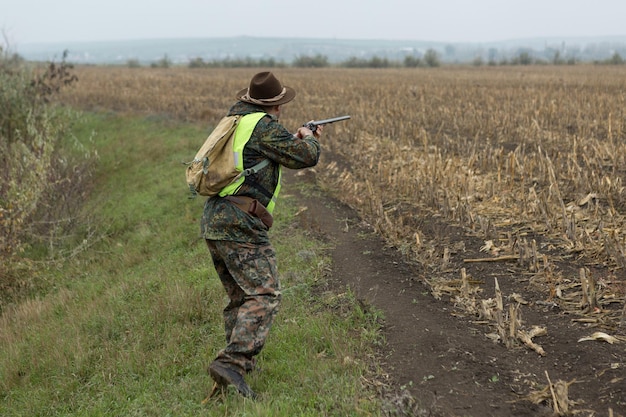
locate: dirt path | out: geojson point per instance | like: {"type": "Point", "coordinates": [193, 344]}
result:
{"type": "Point", "coordinates": [442, 358]}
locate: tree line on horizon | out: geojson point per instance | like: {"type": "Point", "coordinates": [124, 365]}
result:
{"type": "Point", "coordinates": [429, 59]}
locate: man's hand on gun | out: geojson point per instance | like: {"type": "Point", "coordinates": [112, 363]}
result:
{"type": "Point", "coordinates": [315, 127]}
{"type": "Point", "coordinates": [306, 131]}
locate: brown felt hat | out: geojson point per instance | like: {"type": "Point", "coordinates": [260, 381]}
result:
{"type": "Point", "coordinates": [266, 90]}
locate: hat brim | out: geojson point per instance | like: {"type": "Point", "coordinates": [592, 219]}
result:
{"type": "Point", "coordinates": [290, 94]}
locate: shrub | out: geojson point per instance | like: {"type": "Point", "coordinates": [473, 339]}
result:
{"type": "Point", "coordinates": [373, 62]}
{"type": "Point", "coordinates": [318, 61]}
{"type": "Point", "coordinates": [133, 63]}
{"type": "Point", "coordinates": [616, 59]}
{"type": "Point", "coordinates": [197, 63]}
{"type": "Point", "coordinates": [432, 58]}
{"type": "Point", "coordinates": [411, 61]}
{"type": "Point", "coordinates": [30, 129]}
{"type": "Point", "coordinates": [164, 62]}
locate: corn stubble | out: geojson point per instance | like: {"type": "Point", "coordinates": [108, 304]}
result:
{"type": "Point", "coordinates": [531, 160]}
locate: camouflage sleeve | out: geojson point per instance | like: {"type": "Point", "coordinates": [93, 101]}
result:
{"type": "Point", "coordinates": [275, 142]}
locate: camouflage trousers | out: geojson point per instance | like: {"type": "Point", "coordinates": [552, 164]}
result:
{"type": "Point", "coordinates": [250, 277]}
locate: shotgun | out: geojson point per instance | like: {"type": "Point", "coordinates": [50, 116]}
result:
{"type": "Point", "coordinates": [315, 123]}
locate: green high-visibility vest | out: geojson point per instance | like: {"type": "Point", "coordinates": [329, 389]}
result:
{"type": "Point", "coordinates": [242, 136]}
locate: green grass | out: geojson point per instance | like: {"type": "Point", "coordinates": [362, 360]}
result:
{"type": "Point", "coordinates": [127, 326]}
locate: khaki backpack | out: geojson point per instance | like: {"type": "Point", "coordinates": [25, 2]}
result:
{"type": "Point", "coordinates": [214, 166]}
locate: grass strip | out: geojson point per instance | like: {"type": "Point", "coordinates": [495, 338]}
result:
{"type": "Point", "coordinates": [128, 325]}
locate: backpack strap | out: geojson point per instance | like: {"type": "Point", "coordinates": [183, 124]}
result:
{"type": "Point", "coordinates": [253, 170]}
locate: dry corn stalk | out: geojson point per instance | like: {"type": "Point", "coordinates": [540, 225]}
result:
{"type": "Point", "coordinates": [557, 395]}
{"type": "Point", "coordinates": [527, 338]}
{"type": "Point", "coordinates": [603, 337]}
{"type": "Point", "coordinates": [588, 285]}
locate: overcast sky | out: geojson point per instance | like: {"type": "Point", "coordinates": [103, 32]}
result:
{"type": "Point", "coordinates": [28, 21]}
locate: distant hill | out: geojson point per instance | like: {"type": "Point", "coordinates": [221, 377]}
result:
{"type": "Point", "coordinates": [180, 51]}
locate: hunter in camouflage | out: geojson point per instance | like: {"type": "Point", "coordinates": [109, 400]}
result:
{"type": "Point", "coordinates": [238, 241]}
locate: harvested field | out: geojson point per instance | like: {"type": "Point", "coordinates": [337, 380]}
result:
{"type": "Point", "coordinates": [502, 187]}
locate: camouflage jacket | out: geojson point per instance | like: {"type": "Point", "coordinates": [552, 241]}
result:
{"type": "Point", "coordinates": [221, 220]}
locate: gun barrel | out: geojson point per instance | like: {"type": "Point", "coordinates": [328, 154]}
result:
{"type": "Point", "coordinates": [331, 120]}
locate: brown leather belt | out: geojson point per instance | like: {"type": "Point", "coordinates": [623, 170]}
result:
{"type": "Point", "coordinates": [253, 207]}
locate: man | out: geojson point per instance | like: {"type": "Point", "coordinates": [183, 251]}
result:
{"type": "Point", "coordinates": [235, 225]}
